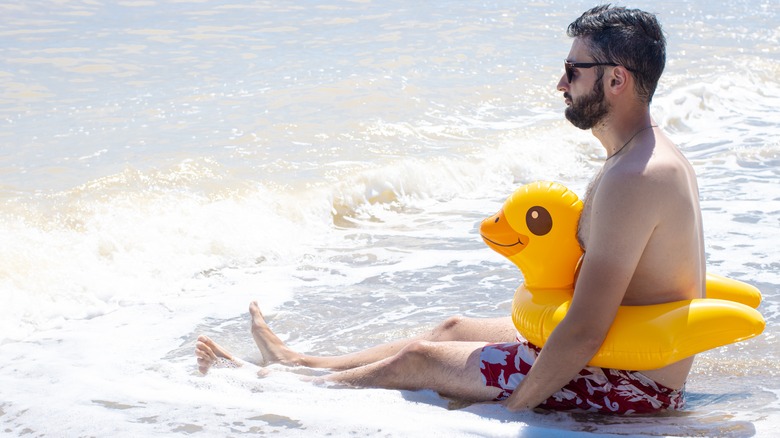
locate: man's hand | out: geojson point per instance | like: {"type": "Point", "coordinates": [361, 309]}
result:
{"type": "Point", "coordinates": [512, 406]}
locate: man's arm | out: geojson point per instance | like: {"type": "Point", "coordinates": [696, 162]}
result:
{"type": "Point", "coordinates": [624, 212]}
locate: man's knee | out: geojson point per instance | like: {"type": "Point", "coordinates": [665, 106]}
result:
{"type": "Point", "coordinates": [410, 368]}
{"type": "Point", "coordinates": [411, 357]}
{"type": "Point", "coordinates": [450, 329]}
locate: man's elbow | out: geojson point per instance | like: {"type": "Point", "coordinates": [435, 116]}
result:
{"type": "Point", "coordinates": [588, 338]}
{"type": "Point", "coordinates": [591, 342]}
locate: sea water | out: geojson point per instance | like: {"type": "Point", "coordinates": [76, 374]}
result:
{"type": "Point", "coordinates": [164, 163]}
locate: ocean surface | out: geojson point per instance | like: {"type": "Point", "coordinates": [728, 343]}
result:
{"type": "Point", "coordinates": [165, 162]}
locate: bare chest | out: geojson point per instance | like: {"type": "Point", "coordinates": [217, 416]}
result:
{"type": "Point", "coordinates": [583, 227]}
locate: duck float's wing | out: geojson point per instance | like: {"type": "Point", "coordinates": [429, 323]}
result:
{"type": "Point", "coordinates": [673, 331]}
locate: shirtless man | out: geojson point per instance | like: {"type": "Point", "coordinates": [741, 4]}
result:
{"type": "Point", "coordinates": [642, 232]}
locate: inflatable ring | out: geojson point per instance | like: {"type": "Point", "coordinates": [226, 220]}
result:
{"type": "Point", "coordinates": [536, 230]}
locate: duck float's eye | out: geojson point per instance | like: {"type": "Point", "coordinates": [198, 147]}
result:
{"type": "Point", "coordinates": [538, 220]}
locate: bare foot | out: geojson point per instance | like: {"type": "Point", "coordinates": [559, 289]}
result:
{"type": "Point", "coordinates": [210, 354]}
{"type": "Point", "coordinates": [271, 347]}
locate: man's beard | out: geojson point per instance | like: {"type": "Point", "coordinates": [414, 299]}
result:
{"type": "Point", "coordinates": [587, 111]}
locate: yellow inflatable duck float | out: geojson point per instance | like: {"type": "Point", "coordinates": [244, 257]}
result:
{"type": "Point", "coordinates": [536, 230]}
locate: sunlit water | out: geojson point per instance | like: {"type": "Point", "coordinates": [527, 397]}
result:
{"type": "Point", "coordinates": [166, 162]}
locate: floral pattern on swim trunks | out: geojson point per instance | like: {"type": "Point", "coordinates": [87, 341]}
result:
{"type": "Point", "coordinates": [595, 389]}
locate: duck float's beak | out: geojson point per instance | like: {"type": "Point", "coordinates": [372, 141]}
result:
{"type": "Point", "coordinates": [499, 236]}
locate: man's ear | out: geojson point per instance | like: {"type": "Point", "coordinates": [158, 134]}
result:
{"type": "Point", "coordinates": [618, 79]}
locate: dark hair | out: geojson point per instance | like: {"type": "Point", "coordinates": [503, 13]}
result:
{"type": "Point", "coordinates": [629, 37]}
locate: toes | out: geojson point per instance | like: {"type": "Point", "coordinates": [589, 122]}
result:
{"type": "Point", "coordinates": [204, 350]}
{"type": "Point", "coordinates": [211, 349]}
{"type": "Point", "coordinates": [254, 309]}
{"type": "Point", "coordinates": [202, 354]}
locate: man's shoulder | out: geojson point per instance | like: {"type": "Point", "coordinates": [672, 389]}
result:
{"type": "Point", "coordinates": [662, 171]}
{"type": "Point", "coordinates": [631, 177]}
{"type": "Point", "coordinates": [633, 187]}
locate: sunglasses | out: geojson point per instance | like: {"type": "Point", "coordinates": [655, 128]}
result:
{"type": "Point", "coordinates": [570, 66]}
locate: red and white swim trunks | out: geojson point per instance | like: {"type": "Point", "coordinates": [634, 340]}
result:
{"type": "Point", "coordinates": [595, 389]}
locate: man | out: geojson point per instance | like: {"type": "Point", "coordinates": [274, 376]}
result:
{"type": "Point", "coordinates": [642, 235]}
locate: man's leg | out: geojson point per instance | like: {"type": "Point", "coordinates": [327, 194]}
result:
{"type": "Point", "coordinates": [453, 329]}
{"type": "Point", "coordinates": [450, 368]}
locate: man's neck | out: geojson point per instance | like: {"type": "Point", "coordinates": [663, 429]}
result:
{"type": "Point", "coordinates": [620, 126]}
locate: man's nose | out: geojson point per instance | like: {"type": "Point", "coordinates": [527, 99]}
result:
{"type": "Point", "coordinates": [563, 84]}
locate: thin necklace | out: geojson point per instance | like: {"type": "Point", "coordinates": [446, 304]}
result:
{"type": "Point", "coordinates": [629, 140]}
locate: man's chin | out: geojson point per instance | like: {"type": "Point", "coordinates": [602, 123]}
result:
{"type": "Point", "coordinates": [576, 121]}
